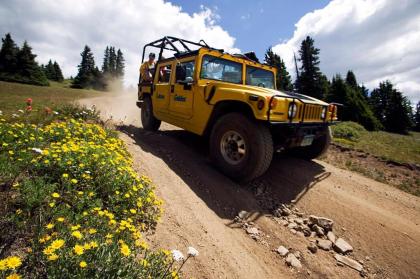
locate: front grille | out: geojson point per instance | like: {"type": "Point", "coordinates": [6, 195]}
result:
{"type": "Point", "coordinates": [310, 113]}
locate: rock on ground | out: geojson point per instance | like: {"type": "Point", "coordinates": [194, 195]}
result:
{"type": "Point", "coordinates": [324, 244]}
{"type": "Point", "coordinates": [312, 247]}
{"type": "Point", "coordinates": [282, 251]}
{"type": "Point", "coordinates": [341, 246]}
{"type": "Point", "coordinates": [252, 230]}
{"type": "Point", "coordinates": [323, 222]}
{"type": "Point", "coordinates": [349, 262]}
{"type": "Point", "coordinates": [291, 260]}
{"type": "Point", "coordinates": [331, 236]}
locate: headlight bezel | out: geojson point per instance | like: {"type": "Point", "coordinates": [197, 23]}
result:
{"type": "Point", "coordinates": [292, 111]}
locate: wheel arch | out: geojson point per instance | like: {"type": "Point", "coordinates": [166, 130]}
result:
{"type": "Point", "coordinates": [223, 107]}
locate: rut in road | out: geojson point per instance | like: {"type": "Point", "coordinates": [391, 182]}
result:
{"type": "Point", "coordinates": [381, 222]}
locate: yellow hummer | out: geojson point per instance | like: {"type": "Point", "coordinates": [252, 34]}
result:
{"type": "Point", "coordinates": [232, 99]}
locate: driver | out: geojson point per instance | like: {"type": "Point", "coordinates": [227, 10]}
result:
{"type": "Point", "coordinates": [147, 69]}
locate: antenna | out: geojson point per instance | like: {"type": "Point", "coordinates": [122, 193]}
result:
{"type": "Point", "coordinates": [296, 67]}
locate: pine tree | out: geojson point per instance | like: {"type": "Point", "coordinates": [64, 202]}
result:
{"type": "Point", "coordinates": [119, 65]}
{"type": "Point", "coordinates": [351, 80]}
{"type": "Point", "coordinates": [8, 55]}
{"type": "Point", "coordinates": [28, 68]}
{"type": "Point", "coordinates": [391, 108]}
{"type": "Point", "coordinates": [50, 70]}
{"type": "Point", "coordinates": [58, 73]}
{"type": "Point", "coordinates": [365, 92]}
{"type": "Point", "coordinates": [112, 61]}
{"type": "Point", "coordinates": [86, 76]}
{"type": "Point", "coordinates": [354, 108]}
{"type": "Point", "coordinates": [310, 81]}
{"type": "Point", "coordinates": [417, 118]}
{"type": "Point", "coordinates": [283, 80]}
{"type": "Point", "coordinates": [105, 64]}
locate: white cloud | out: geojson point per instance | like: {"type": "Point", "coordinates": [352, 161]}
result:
{"type": "Point", "coordinates": [59, 30]}
{"type": "Point", "coordinates": [377, 39]}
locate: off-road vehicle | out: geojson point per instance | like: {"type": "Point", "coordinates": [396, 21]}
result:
{"type": "Point", "coordinates": [232, 99]}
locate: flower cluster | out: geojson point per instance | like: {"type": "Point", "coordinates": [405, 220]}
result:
{"type": "Point", "coordinates": [77, 189]}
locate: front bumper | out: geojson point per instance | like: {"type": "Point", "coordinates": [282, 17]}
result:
{"type": "Point", "coordinates": [288, 135]}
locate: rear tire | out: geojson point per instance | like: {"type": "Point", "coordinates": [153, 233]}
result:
{"type": "Point", "coordinates": [318, 148]}
{"type": "Point", "coordinates": [148, 120]}
{"type": "Point", "coordinates": [241, 148]}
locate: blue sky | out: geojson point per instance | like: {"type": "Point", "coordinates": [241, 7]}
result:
{"type": "Point", "coordinates": [377, 39]}
{"type": "Point", "coordinates": [256, 24]}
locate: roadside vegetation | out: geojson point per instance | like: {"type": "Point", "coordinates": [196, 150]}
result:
{"type": "Point", "coordinates": [71, 204]}
{"type": "Point", "coordinates": [386, 146]}
{"type": "Point", "coordinates": [386, 157]}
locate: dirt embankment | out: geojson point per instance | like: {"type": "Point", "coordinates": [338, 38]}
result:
{"type": "Point", "coordinates": [381, 223]}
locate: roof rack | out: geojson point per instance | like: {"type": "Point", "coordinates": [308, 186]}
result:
{"type": "Point", "coordinates": [177, 45]}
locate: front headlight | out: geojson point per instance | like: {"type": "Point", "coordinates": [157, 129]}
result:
{"type": "Point", "coordinates": [292, 110]}
{"type": "Point", "coordinates": [323, 113]}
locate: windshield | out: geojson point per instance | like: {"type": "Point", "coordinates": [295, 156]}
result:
{"type": "Point", "coordinates": [259, 77]}
{"type": "Point", "coordinates": [221, 69]}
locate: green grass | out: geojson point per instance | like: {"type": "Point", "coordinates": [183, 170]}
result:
{"type": "Point", "coordinates": [13, 95]}
{"type": "Point", "coordinates": [388, 146]}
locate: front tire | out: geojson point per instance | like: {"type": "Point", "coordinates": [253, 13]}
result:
{"type": "Point", "coordinates": [148, 120]}
{"type": "Point", "coordinates": [241, 148]}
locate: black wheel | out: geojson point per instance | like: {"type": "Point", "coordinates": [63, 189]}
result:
{"type": "Point", "coordinates": [240, 147]}
{"type": "Point", "coordinates": [148, 120]}
{"type": "Point", "coordinates": [318, 147]}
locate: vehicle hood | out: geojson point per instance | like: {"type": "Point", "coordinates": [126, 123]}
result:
{"type": "Point", "coordinates": [286, 94]}
{"type": "Point", "coordinates": [266, 92]}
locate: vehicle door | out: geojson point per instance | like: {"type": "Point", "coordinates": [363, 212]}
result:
{"type": "Point", "coordinates": [162, 87]}
{"type": "Point", "coordinates": [182, 97]}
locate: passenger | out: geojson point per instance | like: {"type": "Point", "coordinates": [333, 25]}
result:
{"type": "Point", "coordinates": [147, 69]}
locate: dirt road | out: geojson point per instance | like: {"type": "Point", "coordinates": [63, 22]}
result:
{"type": "Point", "coordinates": [380, 222]}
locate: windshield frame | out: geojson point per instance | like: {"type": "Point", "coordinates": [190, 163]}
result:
{"type": "Point", "coordinates": [260, 69]}
{"type": "Point", "coordinates": [213, 58]}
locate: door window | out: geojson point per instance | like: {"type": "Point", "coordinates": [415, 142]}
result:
{"type": "Point", "coordinates": [185, 71]}
{"type": "Point", "coordinates": [165, 73]}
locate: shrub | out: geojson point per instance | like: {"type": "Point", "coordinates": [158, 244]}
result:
{"type": "Point", "coordinates": [351, 131]}
{"type": "Point", "coordinates": [78, 200]}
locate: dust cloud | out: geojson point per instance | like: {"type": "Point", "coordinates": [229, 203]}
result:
{"type": "Point", "coordinates": [117, 105]}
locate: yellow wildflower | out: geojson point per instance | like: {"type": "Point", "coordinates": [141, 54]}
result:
{"type": "Point", "coordinates": [49, 226]}
{"type": "Point", "coordinates": [13, 262]}
{"type": "Point", "coordinates": [83, 264]}
{"type": "Point", "coordinates": [3, 264]}
{"type": "Point", "coordinates": [74, 181]}
{"type": "Point", "coordinates": [51, 204]}
{"type": "Point", "coordinates": [55, 195]}
{"type": "Point", "coordinates": [125, 250]}
{"type": "Point", "coordinates": [78, 249]}
{"type": "Point", "coordinates": [92, 231]}
{"type": "Point", "coordinates": [52, 257]}
{"type": "Point", "coordinates": [65, 175]}
{"type": "Point", "coordinates": [93, 244]}
{"type": "Point", "coordinates": [57, 244]}
{"type": "Point", "coordinates": [74, 228]}
{"type": "Point", "coordinates": [60, 219]}
{"type": "Point", "coordinates": [13, 276]}
{"type": "Point", "coordinates": [77, 234]}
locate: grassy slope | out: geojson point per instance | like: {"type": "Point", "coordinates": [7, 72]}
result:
{"type": "Point", "coordinates": [388, 146]}
{"type": "Point", "coordinates": [383, 145]}
{"type": "Point", "coordinates": [13, 95]}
